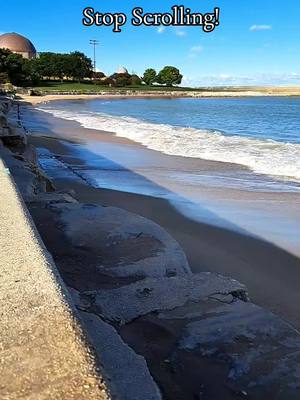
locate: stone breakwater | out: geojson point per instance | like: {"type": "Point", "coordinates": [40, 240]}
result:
{"type": "Point", "coordinates": [157, 330]}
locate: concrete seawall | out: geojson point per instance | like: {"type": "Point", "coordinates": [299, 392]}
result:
{"type": "Point", "coordinates": [43, 351]}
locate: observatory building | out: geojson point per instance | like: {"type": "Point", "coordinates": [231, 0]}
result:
{"type": "Point", "coordinates": [122, 70]}
{"type": "Point", "coordinates": [18, 44]}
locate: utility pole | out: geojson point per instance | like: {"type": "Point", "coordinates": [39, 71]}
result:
{"type": "Point", "coordinates": [94, 43]}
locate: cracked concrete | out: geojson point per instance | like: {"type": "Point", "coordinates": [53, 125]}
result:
{"type": "Point", "coordinates": [132, 301]}
{"type": "Point", "coordinates": [127, 370]}
{"type": "Point", "coordinates": [107, 227]}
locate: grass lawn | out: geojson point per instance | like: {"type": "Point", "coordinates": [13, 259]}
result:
{"type": "Point", "coordinates": [52, 87]}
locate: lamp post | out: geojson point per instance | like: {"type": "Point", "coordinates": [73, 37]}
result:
{"type": "Point", "coordinates": [94, 43]}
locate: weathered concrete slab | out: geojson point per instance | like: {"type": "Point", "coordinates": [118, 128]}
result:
{"type": "Point", "coordinates": [126, 303]}
{"type": "Point", "coordinates": [127, 370]}
{"type": "Point", "coordinates": [261, 351]}
{"type": "Point", "coordinates": [130, 245]}
{"type": "Point", "coordinates": [43, 351]}
{"type": "Point", "coordinates": [219, 348]}
{"type": "Point", "coordinates": [48, 198]}
{"type": "Point", "coordinates": [29, 181]}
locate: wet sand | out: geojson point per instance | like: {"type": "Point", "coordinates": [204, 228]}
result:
{"type": "Point", "coordinates": [271, 273]}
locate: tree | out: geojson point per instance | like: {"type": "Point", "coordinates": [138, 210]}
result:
{"type": "Point", "coordinates": [149, 76]}
{"type": "Point", "coordinates": [61, 65]}
{"type": "Point", "coordinates": [79, 66]}
{"type": "Point", "coordinates": [123, 79]}
{"type": "Point", "coordinates": [45, 65]}
{"type": "Point", "coordinates": [32, 75]}
{"type": "Point", "coordinates": [22, 72]}
{"type": "Point", "coordinates": [169, 76]}
{"type": "Point", "coordinates": [4, 53]}
{"type": "Point", "coordinates": [135, 80]}
{"type": "Point", "coordinates": [12, 64]}
{"type": "Point", "coordinates": [108, 82]}
{"type": "Point", "coordinates": [99, 75]}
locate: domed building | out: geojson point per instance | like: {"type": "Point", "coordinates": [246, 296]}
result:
{"type": "Point", "coordinates": [18, 44]}
{"type": "Point", "coordinates": [122, 70]}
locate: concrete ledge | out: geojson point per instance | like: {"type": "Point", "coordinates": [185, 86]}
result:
{"type": "Point", "coordinates": [43, 351]}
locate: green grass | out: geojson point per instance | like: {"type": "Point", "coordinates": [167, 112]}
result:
{"type": "Point", "coordinates": [86, 87]}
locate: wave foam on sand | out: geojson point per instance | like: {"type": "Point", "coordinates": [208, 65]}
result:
{"type": "Point", "coordinates": [269, 157]}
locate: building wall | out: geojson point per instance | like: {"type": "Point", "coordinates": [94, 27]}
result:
{"type": "Point", "coordinates": [25, 54]}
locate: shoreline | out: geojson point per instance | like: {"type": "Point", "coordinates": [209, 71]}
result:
{"type": "Point", "coordinates": [251, 260]}
{"type": "Point", "coordinates": [139, 302]}
{"type": "Point", "coordinates": [245, 92]}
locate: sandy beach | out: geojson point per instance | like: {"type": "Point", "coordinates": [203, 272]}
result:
{"type": "Point", "coordinates": [164, 278]}
{"type": "Point", "coordinates": [270, 272]}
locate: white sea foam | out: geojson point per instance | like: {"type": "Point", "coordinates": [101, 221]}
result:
{"type": "Point", "coordinates": [262, 156]}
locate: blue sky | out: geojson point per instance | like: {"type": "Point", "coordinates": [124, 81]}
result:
{"type": "Point", "coordinates": [257, 41]}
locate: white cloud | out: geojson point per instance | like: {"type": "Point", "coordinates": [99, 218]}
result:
{"type": "Point", "coordinates": [180, 32]}
{"type": "Point", "coordinates": [196, 49]}
{"type": "Point", "coordinates": [224, 79]}
{"type": "Point", "coordinates": [256, 28]}
{"type": "Point", "coordinates": [161, 29]}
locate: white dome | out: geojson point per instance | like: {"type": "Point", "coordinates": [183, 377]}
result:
{"type": "Point", "coordinates": [122, 70]}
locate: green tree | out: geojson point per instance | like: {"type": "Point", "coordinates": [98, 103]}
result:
{"type": "Point", "coordinates": [108, 81]}
{"type": "Point", "coordinates": [135, 80]}
{"type": "Point", "coordinates": [45, 65]}
{"type": "Point", "coordinates": [32, 76]}
{"type": "Point", "coordinates": [60, 65]}
{"type": "Point", "coordinates": [121, 80]}
{"type": "Point", "coordinates": [169, 76]}
{"type": "Point", "coordinates": [13, 65]}
{"type": "Point", "coordinates": [98, 75]}
{"type": "Point", "coordinates": [4, 53]}
{"type": "Point", "coordinates": [149, 76]}
{"type": "Point", "coordinates": [79, 66]}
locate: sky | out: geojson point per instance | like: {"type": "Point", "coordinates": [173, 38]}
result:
{"type": "Point", "coordinates": [256, 43]}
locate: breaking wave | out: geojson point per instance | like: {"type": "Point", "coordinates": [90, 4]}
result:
{"type": "Point", "coordinates": [278, 159]}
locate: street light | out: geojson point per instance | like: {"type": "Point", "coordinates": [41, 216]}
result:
{"type": "Point", "coordinates": [94, 43]}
